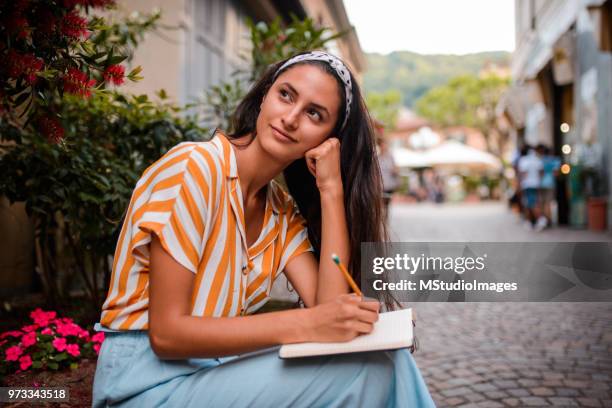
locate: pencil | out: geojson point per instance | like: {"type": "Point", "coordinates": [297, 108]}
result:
{"type": "Point", "coordinates": [347, 276]}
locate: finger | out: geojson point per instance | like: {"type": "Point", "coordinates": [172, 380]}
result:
{"type": "Point", "coordinates": [369, 305]}
{"type": "Point", "coordinates": [312, 166]}
{"type": "Point", "coordinates": [362, 327]}
{"type": "Point", "coordinates": [367, 316]}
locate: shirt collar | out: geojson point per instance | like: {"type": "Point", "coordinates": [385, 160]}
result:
{"type": "Point", "coordinates": [275, 193]}
{"type": "Point", "coordinates": [230, 166]}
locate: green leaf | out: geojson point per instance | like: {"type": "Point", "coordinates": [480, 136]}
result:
{"type": "Point", "coordinates": [61, 357]}
{"type": "Point", "coordinates": [36, 364]}
{"type": "Point", "coordinates": [52, 365]}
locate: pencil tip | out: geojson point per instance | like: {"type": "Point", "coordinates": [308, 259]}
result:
{"type": "Point", "coordinates": [335, 258]}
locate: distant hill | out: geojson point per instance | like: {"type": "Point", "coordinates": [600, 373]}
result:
{"type": "Point", "coordinates": [413, 74]}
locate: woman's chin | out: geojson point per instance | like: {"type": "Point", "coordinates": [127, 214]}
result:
{"type": "Point", "coordinates": [277, 150]}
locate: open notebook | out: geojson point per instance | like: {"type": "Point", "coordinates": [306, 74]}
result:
{"type": "Point", "coordinates": [393, 330]}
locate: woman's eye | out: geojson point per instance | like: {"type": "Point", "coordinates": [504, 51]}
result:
{"type": "Point", "coordinates": [283, 93]}
{"type": "Point", "coordinates": [314, 112]}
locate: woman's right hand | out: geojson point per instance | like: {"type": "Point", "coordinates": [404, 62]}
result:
{"type": "Point", "coordinates": [341, 319]}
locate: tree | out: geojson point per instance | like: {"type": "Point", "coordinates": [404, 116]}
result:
{"type": "Point", "coordinates": [384, 106]}
{"type": "Point", "coordinates": [49, 48]}
{"type": "Point", "coordinates": [466, 100]}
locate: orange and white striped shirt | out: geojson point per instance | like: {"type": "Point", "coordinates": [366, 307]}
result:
{"type": "Point", "coordinates": [191, 199]}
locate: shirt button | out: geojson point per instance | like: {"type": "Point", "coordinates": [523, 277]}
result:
{"type": "Point", "coordinates": [245, 269]}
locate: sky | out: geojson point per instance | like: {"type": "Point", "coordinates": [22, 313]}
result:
{"type": "Point", "coordinates": [433, 26]}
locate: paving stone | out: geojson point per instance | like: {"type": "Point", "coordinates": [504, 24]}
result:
{"type": "Point", "coordinates": [589, 402]}
{"type": "Point", "coordinates": [518, 392]}
{"type": "Point", "coordinates": [505, 384]}
{"type": "Point", "coordinates": [542, 392]}
{"type": "Point", "coordinates": [454, 401]}
{"type": "Point", "coordinates": [455, 392]}
{"type": "Point", "coordinates": [469, 352]}
{"type": "Point", "coordinates": [490, 404]}
{"type": "Point", "coordinates": [511, 402]}
{"type": "Point", "coordinates": [474, 397]}
{"type": "Point", "coordinates": [567, 392]}
{"type": "Point", "coordinates": [563, 402]}
{"type": "Point", "coordinates": [484, 387]}
{"type": "Point", "coordinates": [534, 402]}
{"type": "Point", "coordinates": [496, 395]}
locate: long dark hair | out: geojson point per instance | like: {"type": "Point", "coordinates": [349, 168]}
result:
{"type": "Point", "coordinates": [361, 176]}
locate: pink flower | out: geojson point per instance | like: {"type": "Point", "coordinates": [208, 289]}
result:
{"type": "Point", "coordinates": [41, 317]}
{"type": "Point", "coordinates": [98, 337]}
{"type": "Point", "coordinates": [68, 329]}
{"type": "Point", "coordinates": [96, 348]}
{"type": "Point", "coordinates": [114, 74]}
{"type": "Point", "coordinates": [59, 343]}
{"type": "Point", "coordinates": [29, 328]}
{"type": "Point", "coordinates": [12, 333]}
{"type": "Point", "coordinates": [47, 331]}
{"type": "Point", "coordinates": [73, 350]}
{"type": "Point", "coordinates": [13, 353]}
{"type": "Point", "coordinates": [28, 339]}
{"type": "Point", "coordinates": [25, 362]}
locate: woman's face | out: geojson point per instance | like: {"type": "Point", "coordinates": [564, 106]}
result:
{"type": "Point", "coordinates": [298, 113]}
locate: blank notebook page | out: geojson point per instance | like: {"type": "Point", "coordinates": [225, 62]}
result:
{"type": "Point", "coordinates": [393, 330]}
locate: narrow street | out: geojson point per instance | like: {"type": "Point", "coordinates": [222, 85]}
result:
{"type": "Point", "coordinates": [506, 354]}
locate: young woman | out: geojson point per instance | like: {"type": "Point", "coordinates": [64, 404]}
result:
{"type": "Point", "coordinates": [207, 232]}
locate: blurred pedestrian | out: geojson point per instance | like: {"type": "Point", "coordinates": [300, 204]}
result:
{"type": "Point", "coordinates": [530, 175]}
{"type": "Point", "coordinates": [550, 170]}
{"type": "Point", "coordinates": [389, 172]}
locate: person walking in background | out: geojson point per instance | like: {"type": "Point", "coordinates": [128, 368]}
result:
{"type": "Point", "coordinates": [389, 172]}
{"type": "Point", "coordinates": [550, 169]}
{"type": "Point", "coordinates": [530, 176]}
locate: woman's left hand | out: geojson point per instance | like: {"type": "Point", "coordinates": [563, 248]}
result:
{"type": "Point", "coordinates": [323, 162]}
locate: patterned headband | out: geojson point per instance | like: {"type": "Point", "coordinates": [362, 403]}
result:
{"type": "Point", "coordinates": [339, 68]}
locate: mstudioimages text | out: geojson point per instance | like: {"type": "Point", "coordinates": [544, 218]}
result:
{"type": "Point", "coordinates": [440, 285]}
{"type": "Point", "coordinates": [414, 264]}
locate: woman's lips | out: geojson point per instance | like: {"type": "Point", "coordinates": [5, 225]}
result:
{"type": "Point", "coordinates": [282, 136]}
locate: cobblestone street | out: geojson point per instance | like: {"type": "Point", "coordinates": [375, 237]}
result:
{"type": "Point", "coordinates": [506, 354]}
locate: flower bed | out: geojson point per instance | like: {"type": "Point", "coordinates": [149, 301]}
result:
{"type": "Point", "coordinates": [49, 343]}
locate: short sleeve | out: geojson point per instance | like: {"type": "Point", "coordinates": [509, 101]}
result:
{"type": "Point", "coordinates": [296, 240]}
{"type": "Point", "coordinates": [172, 204]}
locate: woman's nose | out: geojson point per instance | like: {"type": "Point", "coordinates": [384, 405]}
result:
{"type": "Point", "coordinates": [290, 119]}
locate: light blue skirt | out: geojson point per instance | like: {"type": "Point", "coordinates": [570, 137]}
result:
{"type": "Point", "coordinates": [129, 374]}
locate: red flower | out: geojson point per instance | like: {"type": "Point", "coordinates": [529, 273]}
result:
{"type": "Point", "coordinates": [47, 331]}
{"type": "Point", "coordinates": [41, 317]}
{"type": "Point", "coordinates": [76, 82]}
{"type": "Point", "coordinates": [114, 74]}
{"type": "Point", "coordinates": [28, 339]}
{"type": "Point", "coordinates": [98, 337]}
{"type": "Point", "coordinates": [75, 26]}
{"type": "Point", "coordinates": [59, 343]}
{"type": "Point", "coordinates": [51, 128]}
{"type": "Point", "coordinates": [25, 362]}
{"type": "Point", "coordinates": [26, 65]}
{"type": "Point", "coordinates": [96, 348]}
{"type": "Point", "coordinates": [73, 350]}
{"type": "Point", "coordinates": [29, 328]}
{"type": "Point", "coordinates": [11, 333]}
{"type": "Point", "coordinates": [13, 353]}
